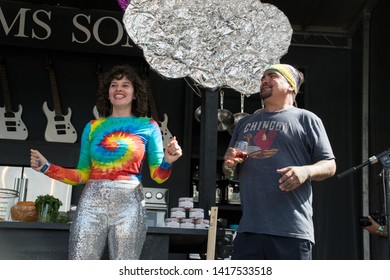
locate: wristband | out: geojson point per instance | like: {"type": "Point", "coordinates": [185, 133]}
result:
{"type": "Point", "coordinates": [45, 167]}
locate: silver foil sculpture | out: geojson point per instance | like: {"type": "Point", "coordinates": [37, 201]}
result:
{"type": "Point", "coordinates": [218, 43]}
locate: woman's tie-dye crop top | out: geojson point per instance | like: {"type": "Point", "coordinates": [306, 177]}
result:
{"type": "Point", "coordinates": [114, 148]}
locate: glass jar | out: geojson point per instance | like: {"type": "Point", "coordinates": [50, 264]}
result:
{"type": "Point", "coordinates": [218, 194]}
{"type": "Point", "coordinates": [8, 198]}
{"type": "Point", "coordinates": [195, 191]}
{"type": "Point", "coordinates": [233, 193]}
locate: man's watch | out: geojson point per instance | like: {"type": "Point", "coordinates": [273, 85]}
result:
{"type": "Point", "coordinates": [381, 230]}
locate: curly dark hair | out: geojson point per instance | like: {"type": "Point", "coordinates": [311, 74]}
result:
{"type": "Point", "coordinates": [139, 106]}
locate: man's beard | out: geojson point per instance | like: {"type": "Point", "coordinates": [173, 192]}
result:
{"type": "Point", "coordinates": [265, 94]}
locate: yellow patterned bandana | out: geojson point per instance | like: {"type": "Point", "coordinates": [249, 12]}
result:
{"type": "Point", "coordinates": [290, 73]}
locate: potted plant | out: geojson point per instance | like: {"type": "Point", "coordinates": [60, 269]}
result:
{"type": "Point", "coordinates": [47, 207]}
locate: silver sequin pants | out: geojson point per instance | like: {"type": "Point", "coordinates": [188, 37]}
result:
{"type": "Point", "coordinates": [109, 211]}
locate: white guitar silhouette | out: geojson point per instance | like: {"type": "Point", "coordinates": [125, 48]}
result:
{"type": "Point", "coordinates": [165, 133]}
{"type": "Point", "coordinates": [11, 124]}
{"type": "Point", "coordinates": [58, 128]}
{"type": "Point", "coordinates": [96, 113]}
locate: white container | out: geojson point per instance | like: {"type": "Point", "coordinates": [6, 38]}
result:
{"type": "Point", "coordinates": [186, 202]}
{"type": "Point", "coordinates": [204, 224]}
{"type": "Point", "coordinates": [178, 212]}
{"type": "Point", "coordinates": [172, 223]}
{"type": "Point", "coordinates": [196, 213]}
{"type": "Point", "coordinates": [187, 223]}
{"type": "Point", "coordinates": [8, 198]}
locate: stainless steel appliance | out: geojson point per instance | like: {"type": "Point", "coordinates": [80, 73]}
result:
{"type": "Point", "coordinates": [30, 184]}
{"type": "Point", "coordinates": [156, 205]}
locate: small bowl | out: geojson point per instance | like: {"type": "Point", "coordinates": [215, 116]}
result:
{"type": "Point", "coordinates": [24, 211]}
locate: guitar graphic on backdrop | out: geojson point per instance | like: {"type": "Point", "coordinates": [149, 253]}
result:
{"type": "Point", "coordinates": [58, 128]}
{"type": "Point", "coordinates": [11, 124]}
{"type": "Point", "coordinates": [165, 133]}
{"type": "Point", "coordinates": [96, 112]}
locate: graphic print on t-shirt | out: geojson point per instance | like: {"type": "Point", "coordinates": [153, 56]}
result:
{"type": "Point", "coordinates": [261, 135]}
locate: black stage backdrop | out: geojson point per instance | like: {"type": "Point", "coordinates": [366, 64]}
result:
{"type": "Point", "coordinates": [79, 40]}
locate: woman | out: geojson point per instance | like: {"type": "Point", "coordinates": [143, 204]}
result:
{"type": "Point", "coordinates": [113, 149]}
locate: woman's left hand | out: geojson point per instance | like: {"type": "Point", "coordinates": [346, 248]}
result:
{"type": "Point", "coordinates": [172, 151]}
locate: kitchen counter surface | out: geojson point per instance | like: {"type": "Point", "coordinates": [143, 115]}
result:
{"type": "Point", "coordinates": [35, 240]}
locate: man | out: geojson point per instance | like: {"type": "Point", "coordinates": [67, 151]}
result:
{"type": "Point", "coordinates": [288, 148]}
{"type": "Point", "coordinates": [376, 229]}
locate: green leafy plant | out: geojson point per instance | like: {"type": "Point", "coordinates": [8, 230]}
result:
{"type": "Point", "coordinates": [52, 203]}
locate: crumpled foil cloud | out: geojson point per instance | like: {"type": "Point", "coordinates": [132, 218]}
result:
{"type": "Point", "coordinates": [217, 43]}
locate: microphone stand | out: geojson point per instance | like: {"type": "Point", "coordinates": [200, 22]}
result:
{"type": "Point", "coordinates": [371, 160]}
{"type": "Point", "coordinates": [386, 181]}
{"type": "Point", "coordinates": [384, 158]}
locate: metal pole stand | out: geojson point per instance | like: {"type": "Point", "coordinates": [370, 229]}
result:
{"type": "Point", "coordinates": [385, 160]}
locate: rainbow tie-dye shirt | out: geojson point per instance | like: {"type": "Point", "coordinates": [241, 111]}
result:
{"type": "Point", "coordinates": [114, 149]}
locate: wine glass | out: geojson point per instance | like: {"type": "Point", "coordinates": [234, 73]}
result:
{"type": "Point", "coordinates": [241, 148]}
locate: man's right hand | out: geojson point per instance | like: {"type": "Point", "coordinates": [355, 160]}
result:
{"type": "Point", "coordinates": [230, 157]}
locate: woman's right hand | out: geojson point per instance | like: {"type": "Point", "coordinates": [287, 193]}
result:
{"type": "Point", "coordinates": [37, 160]}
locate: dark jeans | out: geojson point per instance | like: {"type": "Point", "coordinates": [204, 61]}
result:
{"type": "Point", "coordinates": [253, 246]}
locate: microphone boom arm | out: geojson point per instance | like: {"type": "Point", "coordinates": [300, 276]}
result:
{"type": "Point", "coordinates": [371, 160]}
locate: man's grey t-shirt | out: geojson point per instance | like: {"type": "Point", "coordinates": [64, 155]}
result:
{"type": "Point", "coordinates": [290, 137]}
